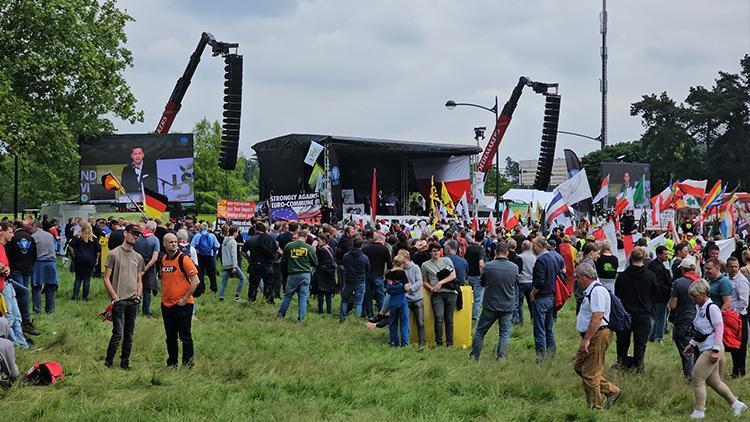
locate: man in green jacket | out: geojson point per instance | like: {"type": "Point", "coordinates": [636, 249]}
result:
{"type": "Point", "coordinates": [299, 258]}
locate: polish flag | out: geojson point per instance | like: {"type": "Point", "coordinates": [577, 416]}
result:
{"type": "Point", "coordinates": [454, 172]}
{"type": "Point", "coordinates": [490, 225]}
{"type": "Point", "coordinates": [696, 188]}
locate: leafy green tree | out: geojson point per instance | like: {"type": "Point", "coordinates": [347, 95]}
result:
{"type": "Point", "coordinates": [720, 124]}
{"type": "Point", "coordinates": [489, 183]}
{"type": "Point", "coordinates": [624, 151]}
{"type": "Point", "coordinates": [61, 77]}
{"type": "Point", "coordinates": [211, 182]}
{"type": "Point", "coordinates": [667, 143]}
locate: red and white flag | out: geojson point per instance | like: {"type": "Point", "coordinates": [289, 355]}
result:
{"type": "Point", "coordinates": [621, 204]}
{"type": "Point", "coordinates": [509, 219]}
{"type": "Point", "coordinates": [490, 225]}
{"type": "Point", "coordinates": [655, 212]}
{"type": "Point", "coordinates": [453, 172]}
{"type": "Point", "coordinates": [696, 188]}
{"type": "Point", "coordinates": [663, 199]}
{"type": "Point", "coordinates": [603, 191]}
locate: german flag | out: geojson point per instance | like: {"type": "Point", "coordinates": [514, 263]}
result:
{"type": "Point", "coordinates": [154, 203]}
{"type": "Point", "coordinates": [110, 183]}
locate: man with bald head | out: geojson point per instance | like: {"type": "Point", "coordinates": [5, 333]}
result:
{"type": "Point", "coordinates": [179, 281]}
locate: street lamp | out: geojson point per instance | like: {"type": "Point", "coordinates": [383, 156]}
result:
{"type": "Point", "coordinates": [450, 105]}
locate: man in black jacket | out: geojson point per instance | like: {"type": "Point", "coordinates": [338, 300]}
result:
{"type": "Point", "coordinates": [380, 261]}
{"type": "Point", "coordinates": [662, 294]}
{"type": "Point", "coordinates": [260, 250]}
{"type": "Point", "coordinates": [636, 286]}
{"type": "Point", "coordinates": [343, 246]}
{"type": "Point", "coordinates": [356, 266]}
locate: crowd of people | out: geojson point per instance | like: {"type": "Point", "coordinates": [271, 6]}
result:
{"type": "Point", "coordinates": [384, 272]}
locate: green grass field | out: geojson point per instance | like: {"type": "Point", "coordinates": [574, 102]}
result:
{"type": "Point", "coordinates": [251, 367]}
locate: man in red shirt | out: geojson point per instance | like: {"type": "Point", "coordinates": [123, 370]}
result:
{"type": "Point", "coordinates": [179, 281]}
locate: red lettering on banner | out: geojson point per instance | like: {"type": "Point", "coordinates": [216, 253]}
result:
{"type": "Point", "coordinates": [229, 209]}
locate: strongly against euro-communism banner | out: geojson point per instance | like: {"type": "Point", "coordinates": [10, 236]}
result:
{"type": "Point", "coordinates": [238, 212]}
{"type": "Point", "coordinates": [297, 206]}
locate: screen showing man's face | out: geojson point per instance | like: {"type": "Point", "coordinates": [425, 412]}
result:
{"type": "Point", "coordinates": [136, 154]}
{"type": "Point", "coordinates": [626, 178]}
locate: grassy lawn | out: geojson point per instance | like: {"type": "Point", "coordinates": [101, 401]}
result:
{"type": "Point", "coordinates": [251, 367]}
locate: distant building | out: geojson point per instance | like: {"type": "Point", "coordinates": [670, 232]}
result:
{"type": "Point", "coordinates": [528, 173]}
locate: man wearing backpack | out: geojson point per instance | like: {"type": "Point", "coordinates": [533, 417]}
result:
{"type": "Point", "coordinates": [592, 323]}
{"type": "Point", "coordinates": [179, 281]}
{"type": "Point", "coordinates": [206, 245]}
{"type": "Point", "coordinates": [636, 286]}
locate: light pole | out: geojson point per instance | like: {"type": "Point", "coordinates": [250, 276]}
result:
{"type": "Point", "coordinates": [450, 105]}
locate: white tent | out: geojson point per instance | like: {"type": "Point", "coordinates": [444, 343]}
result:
{"type": "Point", "coordinates": [529, 196]}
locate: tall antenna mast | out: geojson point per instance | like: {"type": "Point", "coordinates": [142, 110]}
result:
{"type": "Point", "coordinates": [603, 80]}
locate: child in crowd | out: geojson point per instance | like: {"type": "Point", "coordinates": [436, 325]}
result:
{"type": "Point", "coordinates": [396, 285]}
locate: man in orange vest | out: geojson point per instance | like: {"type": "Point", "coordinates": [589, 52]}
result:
{"type": "Point", "coordinates": [179, 281]}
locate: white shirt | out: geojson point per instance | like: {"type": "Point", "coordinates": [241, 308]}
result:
{"type": "Point", "coordinates": [595, 299]}
{"type": "Point", "coordinates": [701, 323]}
{"type": "Point", "coordinates": [138, 170]}
{"type": "Point", "coordinates": [740, 293]}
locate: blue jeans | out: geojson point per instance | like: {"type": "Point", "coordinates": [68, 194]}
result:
{"type": "Point", "coordinates": [358, 290]}
{"type": "Point", "coordinates": [681, 338]}
{"type": "Point", "coordinates": [14, 317]}
{"type": "Point", "coordinates": [522, 292]}
{"type": "Point", "coordinates": [544, 326]}
{"type": "Point", "coordinates": [486, 319]}
{"type": "Point", "coordinates": [22, 284]}
{"type": "Point", "coordinates": [225, 278]}
{"type": "Point", "coordinates": [476, 285]}
{"type": "Point", "coordinates": [50, 291]}
{"type": "Point", "coordinates": [296, 283]}
{"type": "Point", "coordinates": [375, 290]}
{"type": "Point", "coordinates": [659, 314]}
{"type": "Point", "coordinates": [399, 316]}
{"type": "Point", "coordinates": [83, 278]}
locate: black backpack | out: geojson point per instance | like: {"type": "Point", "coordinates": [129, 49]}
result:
{"type": "Point", "coordinates": [201, 285]}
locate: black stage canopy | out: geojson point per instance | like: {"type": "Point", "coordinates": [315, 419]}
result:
{"type": "Point", "coordinates": [349, 162]}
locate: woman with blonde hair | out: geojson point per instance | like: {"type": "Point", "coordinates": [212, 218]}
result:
{"type": "Point", "coordinates": [707, 335]}
{"type": "Point", "coordinates": [85, 250]}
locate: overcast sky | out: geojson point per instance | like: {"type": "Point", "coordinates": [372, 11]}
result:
{"type": "Point", "coordinates": [385, 68]}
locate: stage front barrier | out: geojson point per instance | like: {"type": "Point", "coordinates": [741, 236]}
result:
{"type": "Point", "coordinates": [461, 321]}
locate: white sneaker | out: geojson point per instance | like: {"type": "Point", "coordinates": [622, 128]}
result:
{"type": "Point", "coordinates": [698, 414]}
{"type": "Point", "coordinates": [239, 299]}
{"type": "Point", "coordinates": [738, 407]}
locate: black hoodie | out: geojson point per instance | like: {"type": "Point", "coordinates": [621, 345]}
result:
{"type": "Point", "coordinates": [356, 266]}
{"type": "Point", "coordinates": [636, 286]}
{"type": "Point", "coordinates": [21, 252]}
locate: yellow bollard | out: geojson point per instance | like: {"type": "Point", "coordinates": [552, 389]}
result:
{"type": "Point", "coordinates": [103, 242]}
{"type": "Point", "coordinates": [461, 321]}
